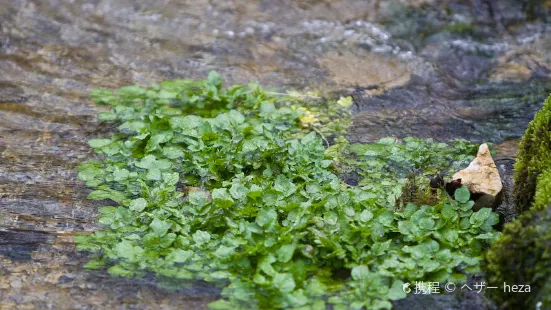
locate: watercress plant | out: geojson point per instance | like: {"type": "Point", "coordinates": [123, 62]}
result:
{"type": "Point", "coordinates": [228, 186]}
{"type": "Point", "coordinates": [383, 166]}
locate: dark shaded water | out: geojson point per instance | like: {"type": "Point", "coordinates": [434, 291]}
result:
{"type": "Point", "coordinates": [475, 69]}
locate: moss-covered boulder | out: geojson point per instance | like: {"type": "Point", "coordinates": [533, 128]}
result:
{"type": "Point", "coordinates": [522, 256]}
{"type": "Point", "coordinates": [534, 157]}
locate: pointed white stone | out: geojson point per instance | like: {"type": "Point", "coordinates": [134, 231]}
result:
{"type": "Point", "coordinates": [481, 176]}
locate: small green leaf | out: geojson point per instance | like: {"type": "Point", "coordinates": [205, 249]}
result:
{"type": "Point", "coordinates": [379, 248]}
{"type": "Point", "coordinates": [238, 191]}
{"type": "Point", "coordinates": [450, 234]}
{"type": "Point", "coordinates": [285, 252]}
{"type": "Point", "coordinates": [187, 123]}
{"type": "Point", "coordinates": [236, 117]}
{"type": "Point", "coordinates": [386, 218]}
{"type": "Point", "coordinates": [366, 216]}
{"type": "Point", "coordinates": [284, 282]}
{"type": "Point", "coordinates": [107, 116]}
{"type": "Point", "coordinates": [107, 194]}
{"type": "Point", "coordinates": [377, 232]}
{"type": "Point", "coordinates": [224, 251]}
{"type": "Point", "coordinates": [147, 162]}
{"type": "Point", "coordinates": [266, 216]}
{"type": "Point", "coordinates": [153, 174]}
{"type": "Point", "coordinates": [222, 197]}
{"type": "Point", "coordinates": [284, 185]}
{"type": "Point", "coordinates": [309, 138]}
{"type": "Point", "coordinates": [117, 270]}
{"type": "Point", "coordinates": [132, 91]}
{"type": "Point", "coordinates": [426, 223]}
{"type": "Point", "coordinates": [138, 204]}
{"type": "Point", "coordinates": [107, 210]}
{"type": "Point", "coordinates": [481, 215]}
{"type": "Point", "coordinates": [126, 250]}
{"type": "Point", "coordinates": [198, 198]}
{"type": "Point", "coordinates": [201, 237]}
{"type": "Point", "coordinates": [214, 79]}
{"type": "Point", "coordinates": [462, 194]}
{"type": "Point", "coordinates": [160, 227]}
{"type": "Point", "coordinates": [404, 227]}
{"type": "Point", "coordinates": [360, 273]}
{"type": "Point", "coordinates": [179, 256]}
{"type": "Point", "coordinates": [410, 210]}
{"type": "Point", "coordinates": [99, 143]}
{"type": "Point", "coordinates": [121, 175]}
{"type": "Point", "coordinates": [171, 178]}
{"type": "Point", "coordinates": [444, 255]}
{"type": "Point", "coordinates": [396, 291]}
{"type": "Point", "coordinates": [448, 211]}
{"type": "Point", "coordinates": [267, 107]}
{"type": "Point", "coordinates": [172, 152]}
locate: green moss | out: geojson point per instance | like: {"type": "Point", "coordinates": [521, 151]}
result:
{"type": "Point", "coordinates": [534, 157]}
{"type": "Point", "coordinates": [415, 191]}
{"type": "Point", "coordinates": [542, 197]}
{"type": "Point", "coordinates": [522, 256]}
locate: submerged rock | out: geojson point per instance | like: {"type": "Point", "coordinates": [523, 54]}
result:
{"type": "Point", "coordinates": [482, 178]}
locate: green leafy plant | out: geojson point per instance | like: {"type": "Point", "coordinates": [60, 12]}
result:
{"type": "Point", "coordinates": [228, 186]}
{"type": "Point", "coordinates": [384, 166]}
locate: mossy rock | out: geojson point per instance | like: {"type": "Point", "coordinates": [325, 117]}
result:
{"type": "Point", "coordinates": [522, 256]}
{"type": "Point", "coordinates": [542, 197]}
{"type": "Point", "coordinates": [534, 157]}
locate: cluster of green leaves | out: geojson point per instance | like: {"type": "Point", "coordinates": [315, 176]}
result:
{"type": "Point", "coordinates": [227, 186]}
{"type": "Point", "coordinates": [384, 166]}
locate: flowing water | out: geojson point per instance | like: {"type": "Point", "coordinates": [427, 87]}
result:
{"type": "Point", "coordinates": [443, 69]}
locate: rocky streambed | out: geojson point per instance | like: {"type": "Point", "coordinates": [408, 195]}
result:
{"type": "Point", "coordinates": [434, 69]}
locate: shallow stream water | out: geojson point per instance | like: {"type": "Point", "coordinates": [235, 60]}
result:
{"type": "Point", "coordinates": [442, 69]}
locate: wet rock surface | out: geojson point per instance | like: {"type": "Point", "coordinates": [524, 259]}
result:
{"type": "Point", "coordinates": [459, 299]}
{"type": "Point", "coordinates": [440, 69]}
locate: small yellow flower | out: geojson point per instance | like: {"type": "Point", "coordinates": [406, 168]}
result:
{"type": "Point", "coordinates": [308, 119]}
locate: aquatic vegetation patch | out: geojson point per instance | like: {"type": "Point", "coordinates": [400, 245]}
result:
{"type": "Point", "coordinates": [383, 167]}
{"type": "Point", "coordinates": [231, 186]}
